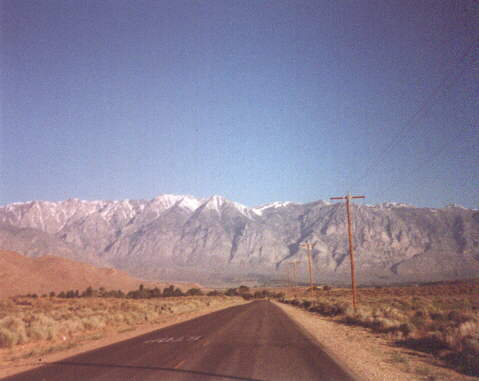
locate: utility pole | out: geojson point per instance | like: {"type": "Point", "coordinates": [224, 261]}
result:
{"type": "Point", "coordinates": [288, 268]}
{"type": "Point", "coordinates": [348, 199]}
{"type": "Point", "coordinates": [292, 272]}
{"type": "Point", "coordinates": [309, 247]}
{"type": "Point", "coordinates": [294, 263]}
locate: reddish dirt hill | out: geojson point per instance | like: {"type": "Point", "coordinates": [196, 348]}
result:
{"type": "Point", "coordinates": [21, 275]}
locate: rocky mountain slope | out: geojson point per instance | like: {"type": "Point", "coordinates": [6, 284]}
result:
{"type": "Point", "coordinates": [215, 239]}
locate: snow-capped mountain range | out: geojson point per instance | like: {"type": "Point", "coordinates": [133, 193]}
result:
{"type": "Point", "coordinates": [181, 237]}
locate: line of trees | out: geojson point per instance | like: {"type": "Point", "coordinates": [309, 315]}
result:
{"type": "Point", "coordinates": [247, 294]}
{"type": "Point", "coordinates": [170, 291]}
{"type": "Point", "coordinates": [140, 293]}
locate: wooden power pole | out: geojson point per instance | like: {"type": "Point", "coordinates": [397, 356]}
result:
{"type": "Point", "coordinates": [292, 267]}
{"type": "Point", "coordinates": [309, 247]}
{"type": "Point", "coordinates": [294, 263]}
{"type": "Point", "coordinates": [348, 199]}
{"type": "Point", "coordinates": [288, 268]}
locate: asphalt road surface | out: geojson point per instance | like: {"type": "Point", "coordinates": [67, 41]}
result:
{"type": "Point", "coordinates": [255, 341]}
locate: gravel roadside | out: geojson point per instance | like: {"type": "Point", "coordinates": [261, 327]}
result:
{"type": "Point", "coordinates": [371, 356]}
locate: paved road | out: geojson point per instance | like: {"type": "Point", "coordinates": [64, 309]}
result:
{"type": "Point", "coordinates": [255, 341]}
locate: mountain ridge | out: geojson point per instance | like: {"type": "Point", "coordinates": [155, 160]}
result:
{"type": "Point", "coordinates": [180, 237]}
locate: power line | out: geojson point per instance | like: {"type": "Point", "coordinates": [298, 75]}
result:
{"type": "Point", "coordinates": [446, 83]}
{"type": "Point", "coordinates": [431, 158]}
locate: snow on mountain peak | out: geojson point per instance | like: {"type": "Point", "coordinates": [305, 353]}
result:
{"type": "Point", "coordinates": [215, 202]}
{"type": "Point", "coordinates": [275, 205]}
{"type": "Point", "coordinates": [388, 205]}
{"type": "Point", "coordinates": [166, 201]}
{"type": "Point", "coordinates": [190, 202]}
{"type": "Point", "coordinates": [453, 205]}
{"type": "Point", "coordinates": [243, 209]}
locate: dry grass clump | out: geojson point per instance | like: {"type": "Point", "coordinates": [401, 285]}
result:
{"type": "Point", "coordinates": [27, 320]}
{"type": "Point", "coordinates": [12, 331]}
{"type": "Point", "coordinates": [463, 341]}
{"type": "Point", "coordinates": [386, 320]}
{"type": "Point", "coordinates": [329, 309]}
{"type": "Point", "coordinates": [443, 321]}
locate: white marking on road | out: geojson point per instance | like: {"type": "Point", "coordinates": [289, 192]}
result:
{"type": "Point", "coordinates": [179, 364]}
{"type": "Point", "coordinates": [194, 338]}
{"type": "Point", "coordinates": [161, 340]}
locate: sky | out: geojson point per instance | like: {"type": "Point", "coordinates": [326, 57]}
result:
{"type": "Point", "coordinates": [257, 101]}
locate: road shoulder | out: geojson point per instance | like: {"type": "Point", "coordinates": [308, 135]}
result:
{"type": "Point", "coordinates": [368, 355]}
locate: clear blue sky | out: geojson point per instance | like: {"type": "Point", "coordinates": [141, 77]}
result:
{"type": "Point", "coordinates": [258, 101]}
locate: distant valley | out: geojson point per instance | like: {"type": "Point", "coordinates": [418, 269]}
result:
{"type": "Point", "coordinates": [215, 240]}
